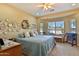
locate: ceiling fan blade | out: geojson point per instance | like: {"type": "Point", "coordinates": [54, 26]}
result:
{"type": "Point", "coordinates": [46, 6]}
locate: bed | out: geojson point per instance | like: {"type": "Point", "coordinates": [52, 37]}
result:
{"type": "Point", "coordinates": [38, 45]}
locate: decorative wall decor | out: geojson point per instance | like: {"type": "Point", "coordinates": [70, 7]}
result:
{"type": "Point", "coordinates": [25, 24]}
{"type": "Point", "coordinates": [10, 28]}
{"type": "Point", "coordinates": [7, 27]}
{"type": "Point", "coordinates": [7, 19]}
{"type": "Point", "coordinates": [10, 25]}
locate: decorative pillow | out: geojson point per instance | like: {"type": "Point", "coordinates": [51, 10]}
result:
{"type": "Point", "coordinates": [36, 32]}
{"type": "Point", "coordinates": [21, 35]}
{"type": "Point", "coordinates": [27, 34]}
{"type": "Point", "coordinates": [32, 34]}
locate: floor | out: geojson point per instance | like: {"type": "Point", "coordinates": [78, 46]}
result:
{"type": "Point", "coordinates": [65, 49]}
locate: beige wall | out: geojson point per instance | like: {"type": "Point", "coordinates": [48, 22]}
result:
{"type": "Point", "coordinates": [61, 16]}
{"type": "Point", "coordinates": [65, 19]}
{"type": "Point", "coordinates": [14, 16]}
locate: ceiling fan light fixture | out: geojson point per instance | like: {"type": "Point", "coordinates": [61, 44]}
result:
{"type": "Point", "coordinates": [46, 6]}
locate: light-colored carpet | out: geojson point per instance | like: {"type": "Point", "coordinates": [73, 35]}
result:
{"type": "Point", "coordinates": [65, 49]}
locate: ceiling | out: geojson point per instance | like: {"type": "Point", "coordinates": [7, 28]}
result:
{"type": "Point", "coordinates": [32, 8]}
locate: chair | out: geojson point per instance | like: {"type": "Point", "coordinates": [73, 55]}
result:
{"type": "Point", "coordinates": [72, 38]}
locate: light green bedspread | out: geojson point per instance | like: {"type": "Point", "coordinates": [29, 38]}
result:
{"type": "Point", "coordinates": [38, 45]}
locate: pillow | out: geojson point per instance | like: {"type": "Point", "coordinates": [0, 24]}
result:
{"type": "Point", "coordinates": [32, 34]}
{"type": "Point", "coordinates": [21, 35]}
{"type": "Point", "coordinates": [27, 34]}
{"type": "Point", "coordinates": [36, 32]}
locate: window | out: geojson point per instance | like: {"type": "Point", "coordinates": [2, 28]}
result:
{"type": "Point", "coordinates": [41, 28]}
{"type": "Point", "coordinates": [73, 25]}
{"type": "Point", "coordinates": [60, 27]}
{"type": "Point", "coordinates": [56, 27]}
{"type": "Point", "coordinates": [51, 27]}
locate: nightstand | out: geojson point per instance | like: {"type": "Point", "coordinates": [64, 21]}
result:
{"type": "Point", "coordinates": [10, 49]}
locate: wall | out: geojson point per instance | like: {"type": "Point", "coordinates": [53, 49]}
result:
{"type": "Point", "coordinates": [66, 16]}
{"type": "Point", "coordinates": [13, 16]}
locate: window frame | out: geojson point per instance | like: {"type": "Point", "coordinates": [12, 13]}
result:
{"type": "Point", "coordinates": [56, 27]}
{"type": "Point", "coordinates": [73, 29]}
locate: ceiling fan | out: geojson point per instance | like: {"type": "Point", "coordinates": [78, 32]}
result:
{"type": "Point", "coordinates": [46, 6]}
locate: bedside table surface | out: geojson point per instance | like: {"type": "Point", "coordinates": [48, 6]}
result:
{"type": "Point", "coordinates": [8, 44]}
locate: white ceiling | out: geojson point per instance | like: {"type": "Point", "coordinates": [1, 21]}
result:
{"type": "Point", "coordinates": [36, 11]}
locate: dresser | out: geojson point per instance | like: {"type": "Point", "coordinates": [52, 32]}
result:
{"type": "Point", "coordinates": [10, 48]}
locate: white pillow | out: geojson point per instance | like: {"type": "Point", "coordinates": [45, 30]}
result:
{"type": "Point", "coordinates": [27, 34]}
{"type": "Point", "coordinates": [33, 34]}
